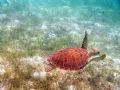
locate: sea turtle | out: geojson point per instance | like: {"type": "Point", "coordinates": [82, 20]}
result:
{"type": "Point", "coordinates": [72, 58]}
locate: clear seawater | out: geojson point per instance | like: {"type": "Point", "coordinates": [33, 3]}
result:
{"type": "Point", "coordinates": [52, 24]}
{"type": "Point", "coordinates": [45, 24]}
{"type": "Point", "coordinates": [47, 21]}
{"type": "Point", "coordinates": [32, 29]}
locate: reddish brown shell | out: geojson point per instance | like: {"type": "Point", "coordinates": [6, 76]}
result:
{"type": "Point", "coordinates": [69, 58]}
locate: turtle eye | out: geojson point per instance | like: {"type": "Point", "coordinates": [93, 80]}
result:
{"type": "Point", "coordinates": [95, 51]}
{"type": "Point", "coordinates": [98, 52]}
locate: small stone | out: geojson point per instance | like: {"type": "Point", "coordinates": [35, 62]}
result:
{"type": "Point", "coordinates": [2, 72]}
{"type": "Point", "coordinates": [43, 75]}
{"type": "Point", "coordinates": [71, 87]}
{"type": "Point", "coordinates": [40, 75]}
{"type": "Point", "coordinates": [32, 89]}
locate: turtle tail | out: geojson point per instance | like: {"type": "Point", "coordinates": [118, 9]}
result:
{"type": "Point", "coordinates": [85, 41]}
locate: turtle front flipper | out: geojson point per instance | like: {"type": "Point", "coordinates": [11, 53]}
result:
{"type": "Point", "coordinates": [85, 41]}
{"type": "Point", "coordinates": [101, 57]}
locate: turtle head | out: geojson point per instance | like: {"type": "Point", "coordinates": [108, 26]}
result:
{"type": "Point", "coordinates": [97, 54]}
{"type": "Point", "coordinates": [94, 52]}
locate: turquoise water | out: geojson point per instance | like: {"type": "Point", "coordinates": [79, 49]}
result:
{"type": "Point", "coordinates": [30, 30]}
{"type": "Point", "coordinates": [52, 24]}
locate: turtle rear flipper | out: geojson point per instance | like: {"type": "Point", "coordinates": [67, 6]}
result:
{"type": "Point", "coordinates": [49, 67]}
{"type": "Point", "coordinates": [85, 41]}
